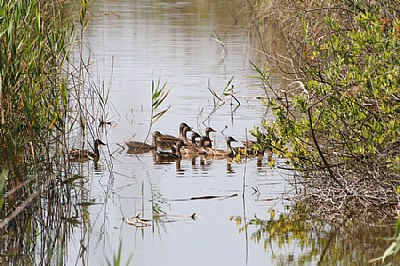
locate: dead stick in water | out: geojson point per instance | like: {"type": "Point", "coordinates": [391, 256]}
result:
{"type": "Point", "coordinates": [207, 197]}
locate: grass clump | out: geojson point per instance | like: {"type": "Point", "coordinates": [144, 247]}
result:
{"type": "Point", "coordinates": [33, 94]}
{"type": "Point", "coordinates": [34, 100]}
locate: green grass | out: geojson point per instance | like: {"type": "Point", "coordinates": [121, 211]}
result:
{"type": "Point", "coordinates": [35, 203]}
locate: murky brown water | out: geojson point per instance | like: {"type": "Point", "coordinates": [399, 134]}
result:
{"type": "Point", "coordinates": [131, 44]}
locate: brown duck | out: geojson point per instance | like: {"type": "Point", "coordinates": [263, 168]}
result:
{"type": "Point", "coordinates": [229, 152]}
{"type": "Point", "coordinates": [136, 147]}
{"type": "Point", "coordinates": [168, 156]}
{"type": "Point", "coordinates": [252, 148]}
{"type": "Point", "coordinates": [169, 141]}
{"type": "Point", "coordinates": [207, 141]}
{"type": "Point", "coordinates": [77, 155]}
{"type": "Point", "coordinates": [192, 148]}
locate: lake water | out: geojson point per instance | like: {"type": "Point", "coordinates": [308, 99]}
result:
{"type": "Point", "coordinates": [131, 44]}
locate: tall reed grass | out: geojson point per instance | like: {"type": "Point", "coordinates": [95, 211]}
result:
{"type": "Point", "coordinates": [37, 199]}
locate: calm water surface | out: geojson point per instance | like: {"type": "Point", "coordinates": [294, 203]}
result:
{"type": "Point", "coordinates": [132, 43]}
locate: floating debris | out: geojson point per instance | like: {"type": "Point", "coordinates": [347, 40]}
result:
{"type": "Point", "coordinates": [137, 221]}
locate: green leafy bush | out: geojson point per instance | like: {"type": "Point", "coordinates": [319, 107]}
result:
{"type": "Point", "coordinates": [343, 126]}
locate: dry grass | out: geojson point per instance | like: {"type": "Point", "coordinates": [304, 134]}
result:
{"type": "Point", "coordinates": [367, 198]}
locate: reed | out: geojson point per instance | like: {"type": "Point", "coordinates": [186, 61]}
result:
{"type": "Point", "coordinates": [159, 92]}
{"type": "Point", "coordinates": [33, 93]}
{"type": "Point", "coordinates": [38, 197]}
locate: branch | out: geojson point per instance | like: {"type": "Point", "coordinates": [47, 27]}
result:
{"type": "Point", "coordinates": [331, 174]}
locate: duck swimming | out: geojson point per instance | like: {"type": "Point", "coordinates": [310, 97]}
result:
{"type": "Point", "coordinates": [183, 129]}
{"type": "Point", "coordinates": [169, 141]}
{"type": "Point", "coordinates": [253, 147]}
{"type": "Point", "coordinates": [195, 135]}
{"type": "Point", "coordinates": [163, 141]}
{"type": "Point", "coordinates": [207, 141]}
{"type": "Point", "coordinates": [168, 156]}
{"type": "Point", "coordinates": [192, 148]}
{"type": "Point", "coordinates": [77, 155]}
{"type": "Point", "coordinates": [136, 147]}
{"type": "Point", "coordinates": [229, 152]}
{"type": "Point", "coordinates": [184, 137]}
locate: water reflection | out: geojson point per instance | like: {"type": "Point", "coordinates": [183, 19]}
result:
{"type": "Point", "coordinates": [316, 242]}
{"type": "Point", "coordinates": [197, 162]}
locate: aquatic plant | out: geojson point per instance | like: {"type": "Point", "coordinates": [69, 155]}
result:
{"type": "Point", "coordinates": [117, 258]}
{"type": "Point", "coordinates": [221, 42]}
{"type": "Point", "coordinates": [228, 91]}
{"type": "Point", "coordinates": [158, 94]}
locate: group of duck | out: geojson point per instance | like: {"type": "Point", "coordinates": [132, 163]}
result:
{"type": "Point", "coordinates": [182, 146]}
{"type": "Point", "coordinates": [179, 147]}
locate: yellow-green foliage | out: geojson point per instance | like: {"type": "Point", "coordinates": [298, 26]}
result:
{"type": "Point", "coordinates": [352, 104]}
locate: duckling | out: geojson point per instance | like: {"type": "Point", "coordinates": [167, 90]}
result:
{"type": "Point", "coordinates": [192, 148]}
{"type": "Point", "coordinates": [229, 151]}
{"type": "Point", "coordinates": [136, 147]}
{"type": "Point", "coordinates": [166, 156]}
{"type": "Point", "coordinates": [185, 130]}
{"type": "Point", "coordinates": [248, 149]}
{"type": "Point", "coordinates": [163, 141]}
{"type": "Point", "coordinates": [139, 145]}
{"type": "Point", "coordinates": [207, 141]}
{"type": "Point", "coordinates": [195, 135]}
{"type": "Point", "coordinates": [77, 155]}
{"type": "Point", "coordinates": [252, 147]}
{"type": "Point", "coordinates": [168, 141]}
{"type": "Point", "coordinates": [219, 153]}
{"type": "Point", "coordinates": [182, 132]}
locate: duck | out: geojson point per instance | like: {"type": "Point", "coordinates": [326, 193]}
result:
{"type": "Point", "coordinates": [139, 145]}
{"type": "Point", "coordinates": [192, 148]}
{"type": "Point", "coordinates": [168, 156]}
{"type": "Point", "coordinates": [229, 152]}
{"type": "Point", "coordinates": [169, 141]}
{"type": "Point", "coordinates": [77, 155]}
{"type": "Point", "coordinates": [163, 141]}
{"type": "Point", "coordinates": [207, 141]}
{"type": "Point", "coordinates": [136, 147]}
{"type": "Point", "coordinates": [183, 129]}
{"type": "Point", "coordinates": [253, 147]}
{"type": "Point", "coordinates": [248, 148]}
{"type": "Point", "coordinates": [195, 135]}
{"type": "Point", "coordinates": [184, 137]}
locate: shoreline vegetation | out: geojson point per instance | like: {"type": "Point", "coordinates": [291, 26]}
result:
{"type": "Point", "coordinates": [47, 104]}
{"type": "Point", "coordinates": [34, 99]}
{"type": "Point", "coordinates": [337, 115]}
{"type": "Point", "coordinates": [338, 111]}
